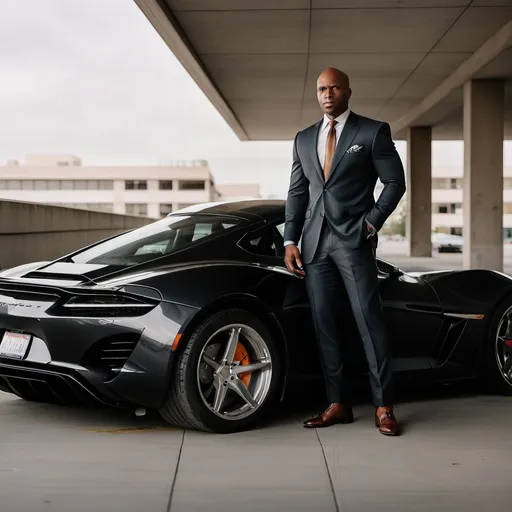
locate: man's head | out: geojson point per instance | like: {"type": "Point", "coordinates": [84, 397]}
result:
{"type": "Point", "coordinates": [333, 92]}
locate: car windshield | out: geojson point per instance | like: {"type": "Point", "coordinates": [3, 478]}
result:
{"type": "Point", "coordinates": [158, 239]}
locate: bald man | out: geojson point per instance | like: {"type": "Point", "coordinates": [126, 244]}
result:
{"type": "Point", "coordinates": [331, 205]}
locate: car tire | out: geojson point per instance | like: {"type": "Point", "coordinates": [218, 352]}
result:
{"type": "Point", "coordinates": [495, 381]}
{"type": "Point", "coordinates": [187, 405]}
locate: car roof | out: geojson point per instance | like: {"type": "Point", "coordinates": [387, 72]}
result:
{"type": "Point", "coordinates": [248, 209]}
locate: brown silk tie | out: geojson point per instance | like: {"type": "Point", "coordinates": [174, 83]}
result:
{"type": "Point", "coordinates": [330, 148]}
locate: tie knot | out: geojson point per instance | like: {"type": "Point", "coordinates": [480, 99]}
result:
{"type": "Point", "coordinates": [332, 123]}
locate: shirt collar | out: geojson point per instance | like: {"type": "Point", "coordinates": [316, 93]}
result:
{"type": "Point", "coordinates": [342, 119]}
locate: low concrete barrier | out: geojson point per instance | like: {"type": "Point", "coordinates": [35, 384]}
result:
{"type": "Point", "coordinates": [36, 232]}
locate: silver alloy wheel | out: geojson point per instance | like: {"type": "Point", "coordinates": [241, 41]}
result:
{"type": "Point", "coordinates": [503, 347]}
{"type": "Point", "coordinates": [233, 389]}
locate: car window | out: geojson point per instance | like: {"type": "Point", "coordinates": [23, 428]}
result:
{"type": "Point", "coordinates": [280, 228]}
{"type": "Point", "coordinates": [166, 236]}
{"type": "Point", "coordinates": [261, 243]}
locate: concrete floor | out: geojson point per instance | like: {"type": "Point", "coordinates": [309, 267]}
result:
{"type": "Point", "coordinates": [454, 455]}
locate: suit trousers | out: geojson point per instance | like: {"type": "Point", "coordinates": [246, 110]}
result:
{"type": "Point", "coordinates": [358, 271]}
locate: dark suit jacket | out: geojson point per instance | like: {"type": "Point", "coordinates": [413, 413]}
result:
{"type": "Point", "coordinates": [346, 199]}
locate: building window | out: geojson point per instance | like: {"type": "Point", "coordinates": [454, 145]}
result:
{"type": "Point", "coordinates": [57, 184]}
{"type": "Point", "coordinates": [14, 185]}
{"type": "Point", "coordinates": [449, 208]}
{"type": "Point", "coordinates": [165, 185]}
{"type": "Point", "coordinates": [165, 209]}
{"type": "Point", "coordinates": [136, 209]}
{"type": "Point", "coordinates": [191, 185]}
{"type": "Point", "coordinates": [80, 185]}
{"type": "Point", "coordinates": [507, 208]}
{"type": "Point", "coordinates": [184, 205]}
{"type": "Point", "coordinates": [135, 185]}
{"type": "Point", "coordinates": [447, 183]}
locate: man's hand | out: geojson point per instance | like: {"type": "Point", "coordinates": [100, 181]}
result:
{"type": "Point", "coordinates": [293, 260]}
{"type": "Point", "coordinates": [368, 230]}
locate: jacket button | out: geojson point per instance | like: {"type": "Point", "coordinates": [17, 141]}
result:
{"type": "Point", "coordinates": [322, 214]}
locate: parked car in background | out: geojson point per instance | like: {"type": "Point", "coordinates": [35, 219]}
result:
{"type": "Point", "coordinates": [444, 242]}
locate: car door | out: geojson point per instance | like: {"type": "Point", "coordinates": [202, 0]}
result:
{"type": "Point", "coordinates": [413, 317]}
{"type": "Point", "coordinates": [286, 294]}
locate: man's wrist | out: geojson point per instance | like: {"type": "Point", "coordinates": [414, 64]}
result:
{"type": "Point", "coordinates": [289, 242]}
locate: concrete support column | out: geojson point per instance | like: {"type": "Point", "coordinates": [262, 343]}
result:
{"type": "Point", "coordinates": [483, 173]}
{"type": "Point", "coordinates": [419, 191]}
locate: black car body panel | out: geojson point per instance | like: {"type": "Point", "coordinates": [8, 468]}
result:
{"type": "Point", "coordinates": [103, 326]}
{"type": "Point", "coordinates": [464, 295]}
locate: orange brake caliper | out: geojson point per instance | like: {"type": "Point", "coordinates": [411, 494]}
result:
{"type": "Point", "coordinates": [242, 356]}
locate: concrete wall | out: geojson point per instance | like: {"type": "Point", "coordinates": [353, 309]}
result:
{"type": "Point", "coordinates": [34, 232]}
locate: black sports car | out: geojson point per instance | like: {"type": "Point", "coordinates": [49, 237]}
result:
{"type": "Point", "coordinates": [196, 316]}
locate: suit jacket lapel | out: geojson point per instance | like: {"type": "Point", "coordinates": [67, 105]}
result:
{"type": "Point", "coordinates": [314, 143]}
{"type": "Point", "coordinates": [347, 136]}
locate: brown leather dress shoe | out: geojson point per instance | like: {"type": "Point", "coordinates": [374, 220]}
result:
{"type": "Point", "coordinates": [386, 422]}
{"type": "Point", "coordinates": [335, 413]}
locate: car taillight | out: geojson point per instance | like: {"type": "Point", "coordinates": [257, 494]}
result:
{"type": "Point", "coordinates": [103, 306]}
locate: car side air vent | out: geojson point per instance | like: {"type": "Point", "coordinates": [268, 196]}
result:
{"type": "Point", "coordinates": [454, 331]}
{"type": "Point", "coordinates": [115, 353]}
{"type": "Point", "coordinates": [111, 353]}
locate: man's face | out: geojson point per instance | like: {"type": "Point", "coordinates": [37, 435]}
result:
{"type": "Point", "coordinates": [333, 94]}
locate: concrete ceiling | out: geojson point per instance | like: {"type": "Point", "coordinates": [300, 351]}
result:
{"type": "Point", "coordinates": [258, 60]}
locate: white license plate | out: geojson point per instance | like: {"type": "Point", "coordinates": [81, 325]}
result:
{"type": "Point", "coordinates": [14, 345]}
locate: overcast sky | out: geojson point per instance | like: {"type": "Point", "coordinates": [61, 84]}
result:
{"type": "Point", "coordinates": [93, 78]}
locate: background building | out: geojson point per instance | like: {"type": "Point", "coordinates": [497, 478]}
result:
{"type": "Point", "coordinates": [447, 210]}
{"type": "Point", "coordinates": [152, 191]}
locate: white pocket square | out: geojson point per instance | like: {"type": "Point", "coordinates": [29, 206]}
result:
{"type": "Point", "coordinates": [354, 149]}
